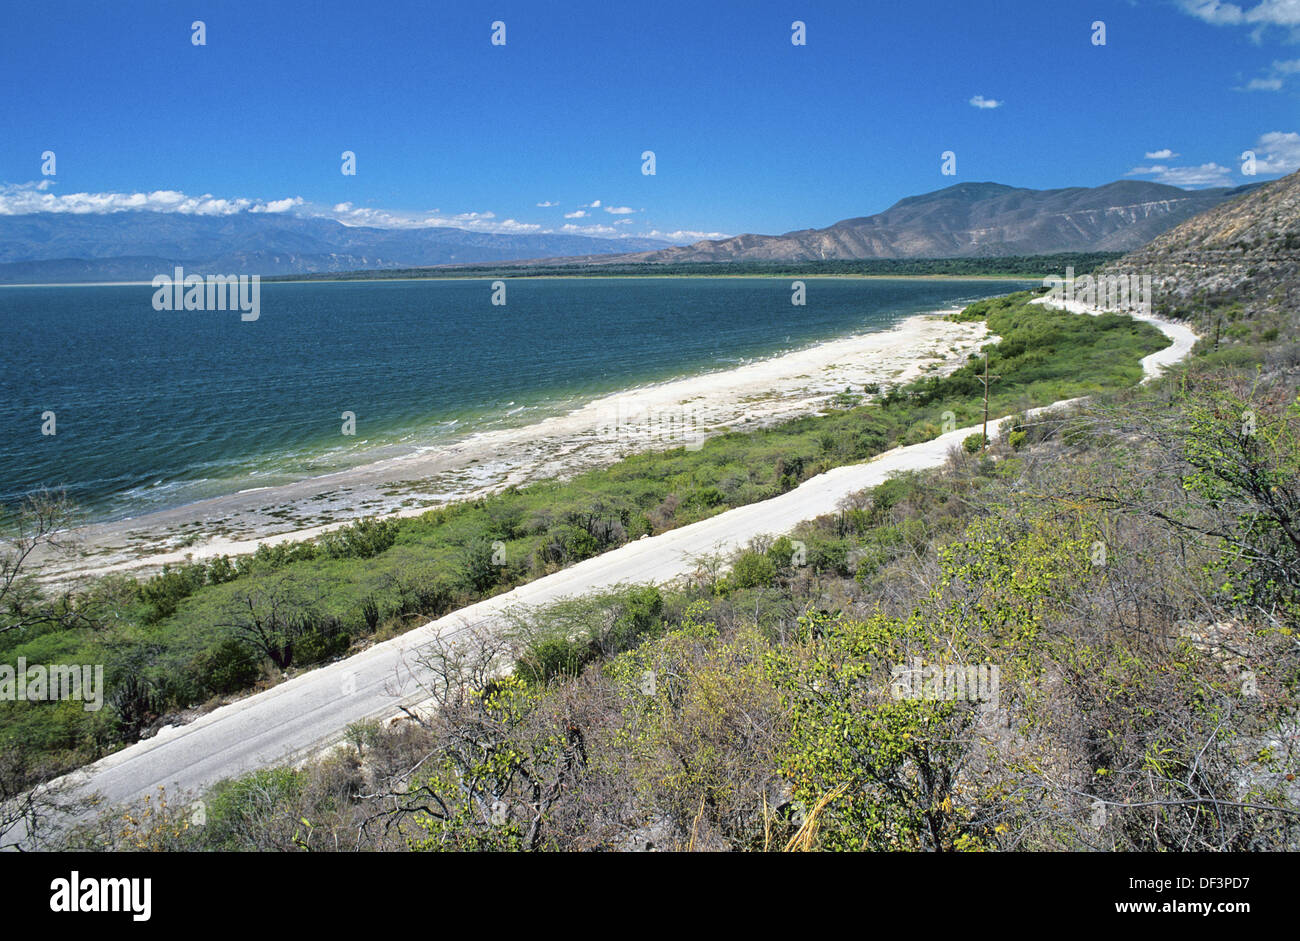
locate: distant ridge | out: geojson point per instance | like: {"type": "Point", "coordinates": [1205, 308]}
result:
{"type": "Point", "coordinates": [136, 245]}
{"type": "Point", "coordinates": [1244, 254]}
{"type": "Point", "coordinates": [967, 220]}
{"type": "Point", "coordinates": [972, 220]}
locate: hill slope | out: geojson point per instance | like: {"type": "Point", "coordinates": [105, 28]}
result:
{"type": "Point", "coordinates": [1240, 259]}
{"type": "Point", "coordinates": [976, 220]}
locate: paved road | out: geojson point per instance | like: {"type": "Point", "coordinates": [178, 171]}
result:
{"type": "Point", "coordinates": [311, 711]}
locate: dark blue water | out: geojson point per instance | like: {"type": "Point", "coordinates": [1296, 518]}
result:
{"type": "Point", "coordinates": [157, 408]}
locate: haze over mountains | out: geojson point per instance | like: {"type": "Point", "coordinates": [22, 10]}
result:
{"type": "Point", "coordinates": [968, 220]}
{"type": "Point", "coordinates": [135, 246]}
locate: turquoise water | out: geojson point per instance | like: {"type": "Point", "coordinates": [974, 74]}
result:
{"type": "Point", "coordinates": [156, 409]}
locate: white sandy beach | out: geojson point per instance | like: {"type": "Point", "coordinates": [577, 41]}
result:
{"type": "Point", "coordinates": [670, 414]}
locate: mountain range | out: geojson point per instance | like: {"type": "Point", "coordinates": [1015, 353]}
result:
{"type": "Point", "coordinates": [136, 245]}
{"type": "Point", "coordinates": [968, 220]}
{"type": "Point", "coordinates": [971, 220]}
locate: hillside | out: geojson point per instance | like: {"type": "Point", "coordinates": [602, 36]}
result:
{"type": "Point", "coordinates": [975, 220]}
{"type": "Point", "coordinates": [1238, 261]}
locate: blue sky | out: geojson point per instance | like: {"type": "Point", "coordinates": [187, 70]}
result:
{"type": "Point", "coordinates": [750, 133]}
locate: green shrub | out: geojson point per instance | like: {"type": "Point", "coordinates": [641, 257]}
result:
{"type": "Point", "coordinates": [705, 497]}
{"type": "Point", "coordinates": [781, 552]}
{"type": "Point", "coordinates": [566, 544]}
{"type": "Point", "coordinates": [240, 807]}
{"type": "Point", "coordinates": [363, 539]}
{"type": "Point", "coordinates": [886, 496]}
{"type": "Point", "coordinates": [923, 431]}
{"type": "Point", "coordinates": [321, 644]}
{"type": "Point", "coordinates": [554, 656]}
{"type": "Point", "coordinates": [828, 555]}
{"type": "Point", "coordinates": [435, 598]}
{"type": "Point", "coordinates": [752, 570]}
{"type": "Point", "coordinates": [221, 570]}
{"type": "Point", "coordinates": [642, 615]}
{"type": "Point", "coordinates": [227, 667]}
{"type": "Point", "coordinates": [479, 568]}
{"type": "Point", "coordinates": [165, 591]}
{"type": "Point", "coordinates": [136, 701]}
{"type": "Point", "coordinates": [371, 613]}
{"type": "Point", "coordinates": [277, 556]}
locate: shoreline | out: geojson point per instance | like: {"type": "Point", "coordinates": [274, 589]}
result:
{"type": "Point", "coordinates": [673, 413]}
{"type": "Point", "coordinates": [285, 279]}
{"type": "Point", "coordinates": [653, 277]}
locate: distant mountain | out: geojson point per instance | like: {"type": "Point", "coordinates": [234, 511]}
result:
{"type": "Point", "coordinates": [969, 220]}
{"type": "Point", "coordinates": [1241, 259]}
{"type": "Point", "coordinates": [973, 220]}
{"type": "Point", "coordinates": [54, 247]}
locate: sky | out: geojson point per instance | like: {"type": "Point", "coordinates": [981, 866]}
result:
{"type": "Point", "coordinates": [545, 133]}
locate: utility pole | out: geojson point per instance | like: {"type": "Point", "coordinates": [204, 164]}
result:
{"type": "Point", "coordinates": [986, 379]}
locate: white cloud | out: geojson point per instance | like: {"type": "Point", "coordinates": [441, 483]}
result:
{"type": "Point", "coordinates": [1212, 11]}
{"type": "Point", "coordinates": [1277, 152]}
{"type": "Point", "coordinates": [20, 199]}
{"type": "Point", "coordinates": [279, 205]}
{"type": "Point", "coordinates": [25, 198]}
{"type": "Point", "coordinates": [34, 197]}
{"type": "Point", "coordinates": [979, 101]}
{"type": "Point", "coordinates": [1265, 13]}
{"type": "Point", "coordinates": [1163, 154]}
{"type": "Point", "coordinates": [348, 214]}
{"type": "Point", "coordinates": [1277, 74]}
{"type": "Point", "coordinates": [514, 225]}
{"type": "Point", "coordinates": [1207, 174]}
{"type": "Point", "coordinates": [546, 204]}
{"type": "Point", "coordinates": [592, 230]}
{"type": "Point", "coordinates": [685, 235]}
